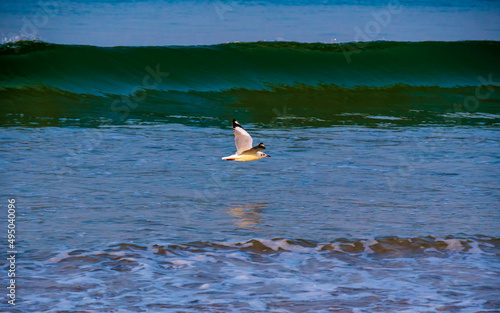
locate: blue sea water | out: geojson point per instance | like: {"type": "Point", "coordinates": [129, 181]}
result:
{"type": "Point", "coordinates": [381, 193]}
{"type": "Point", "coordinates": [153, 23]}
{"type": "Point", "coordinates": [355, 219]}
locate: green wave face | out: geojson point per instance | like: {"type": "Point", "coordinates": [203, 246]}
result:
{"type": "Point", "coordinates": [269, 83]}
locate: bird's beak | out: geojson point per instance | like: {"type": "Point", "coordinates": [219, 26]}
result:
{"type": "Point", "coordinates": [268, 156]}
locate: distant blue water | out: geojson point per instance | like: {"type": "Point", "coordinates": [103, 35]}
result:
{"type": "Point", "coordinates": [147, 23]}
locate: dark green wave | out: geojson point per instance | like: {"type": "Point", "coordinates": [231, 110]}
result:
{"type": "Point", "coordinates": [268, 83]}
{"type": "Point", "coordinates": [278, 106]}
{"type": "Point", "coordinates": [120, 70]}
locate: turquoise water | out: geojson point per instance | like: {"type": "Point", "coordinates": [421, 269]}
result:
{"type": "Point", "coordinates": [269, 84]}
{"type": "Point", "coordinates": [381, 194]}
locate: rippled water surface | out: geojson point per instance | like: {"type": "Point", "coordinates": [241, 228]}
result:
{"type": "Point", "coordinates": [348, 219]}
{"type": "Point", "coordinates": [382, 122]}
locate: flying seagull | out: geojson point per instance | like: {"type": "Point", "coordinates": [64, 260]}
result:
{"type": "Point", "coordinates": [244, 149]}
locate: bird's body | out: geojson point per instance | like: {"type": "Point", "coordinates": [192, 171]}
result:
{"type": "Point", "coordinates": [244, 150]}
{"type": "Point", "coordinates": [242, 158]}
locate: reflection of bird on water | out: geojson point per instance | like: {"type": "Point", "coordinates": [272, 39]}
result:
{"type": "Point", "coordinates": [249, 215]}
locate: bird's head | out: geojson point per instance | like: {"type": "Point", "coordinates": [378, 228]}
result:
{"type": "Point", "coordinates": [263, 155]}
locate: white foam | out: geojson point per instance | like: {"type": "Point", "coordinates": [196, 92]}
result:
{"type": "Point", "coordinates": [367, 244]}
{"type": "Point", "coordinates": [241, 277]}
{"type": "Point", "coordinates": [277, 244]}
{"type": "Point", "coordinates": [487, 244]}
{"type": "Point", "coordinates": [453, 244]}
{"type": "Point", "coordinates": [335, 247]}
{"type": "Point", "coordinates": [61, 256]}
{"type": "Point", "coordinates": [182, 263]}
{"type": "Point", "coordinates": [115, 253]}
{"type": "Point", "coordinates": [383, 117]}
{"type": "Point", "coordinates": [244, 278]}
{"type": "Point", "coordinates": [474, 248]}
{"type": "Point", "coordinates": [233, 244]}
{"type": "Point", "coordinates": [144, 270]}
{"type": "Point", "coordinates": [432, 250]}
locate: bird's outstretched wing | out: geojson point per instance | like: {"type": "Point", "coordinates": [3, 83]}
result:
{"type": "Point", "coordinates": [254, 150]}
{"type": "Point", "coordinates": [242, 139]}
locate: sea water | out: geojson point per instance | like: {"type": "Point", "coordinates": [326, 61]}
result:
{"type": "Point", "coordinates": [352, 219]}
{"type": "Point", "coordinates": [381, 193]}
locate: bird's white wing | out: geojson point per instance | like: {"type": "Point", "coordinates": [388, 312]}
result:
{"type": "Point", "coordinates": [242, 139]}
